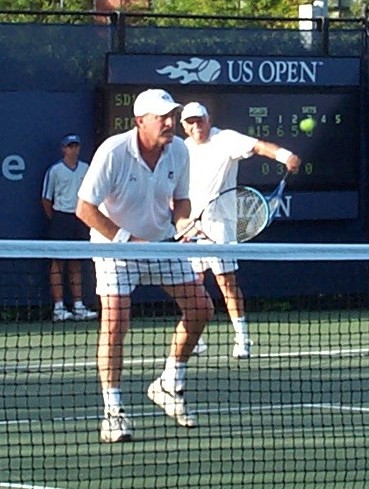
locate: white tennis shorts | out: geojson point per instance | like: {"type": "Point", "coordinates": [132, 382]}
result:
{"type": "Point", "coordinates": [218, 266]}
{"type": "Point", "coordinates": [121, 277]}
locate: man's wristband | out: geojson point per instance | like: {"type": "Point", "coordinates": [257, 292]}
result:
{"type": "Point", "coordinates": [282, 155]}
{"type": "Point", "coordinates": [122, 236]}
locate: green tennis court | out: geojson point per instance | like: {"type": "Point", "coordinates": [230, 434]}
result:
{"type": "Point", "coordinates": [295, 415]}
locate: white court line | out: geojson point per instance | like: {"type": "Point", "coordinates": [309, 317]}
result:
{"type": "Point", "coordinates": [217, 410]}
{"type": "Point", "coordinates": [9, 485]}
{"type": "Point", "coordinates": [152, 361]}
{"type": "Point", "coordinates": [74, 365]}
{"type": "Point", "coordinates": [233, 431]}
{"type": "Point", "coordinates": [316, 353]}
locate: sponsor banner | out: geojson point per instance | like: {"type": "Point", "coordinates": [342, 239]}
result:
{"type": "Point", "coordinates": [317, 206]}
{"type": "Point", "coordinates": [228, 70]}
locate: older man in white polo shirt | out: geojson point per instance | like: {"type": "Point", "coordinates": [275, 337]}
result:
{"type": "Point", "coordinates": [135, 189]}
{"type": "Point", "coordinates": [214, 157]}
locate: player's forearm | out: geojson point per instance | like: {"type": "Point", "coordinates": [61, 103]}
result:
{"type": "Point", "coordinates": [93, 218]}
{"type": "Point", "coordinates": [265, 148]}
{"type": "Point", "coordinates": [181, 211]}
{"type": "Point", "coordinates": [275, 152]}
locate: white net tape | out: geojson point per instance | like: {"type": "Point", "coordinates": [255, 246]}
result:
{"type": "Point", "coordinates": [246, 251]}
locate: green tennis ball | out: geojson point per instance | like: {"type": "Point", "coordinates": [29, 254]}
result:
{"type": "Point", "coordinates": [307, 125]}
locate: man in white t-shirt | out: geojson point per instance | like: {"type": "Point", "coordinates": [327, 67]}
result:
{"type": "Point", "coordinates": [214, 157]}
{"type": "Point", "coordinates": [135, 189]}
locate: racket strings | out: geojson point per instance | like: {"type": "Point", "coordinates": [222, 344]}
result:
{"type": "Point", "coordinates": [240, 214]}
{"type": "Point", "coordinates": [252, 214]}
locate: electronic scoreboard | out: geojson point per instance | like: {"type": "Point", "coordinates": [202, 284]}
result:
{"type": "Point", "coordinates": [330, 153]}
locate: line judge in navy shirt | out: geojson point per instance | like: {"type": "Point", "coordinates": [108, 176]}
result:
{"type": "Point", "coordinates": [59, 200]}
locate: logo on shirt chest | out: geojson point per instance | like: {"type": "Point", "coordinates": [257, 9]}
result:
{"type": "Point", "coordinates": [170, 175]}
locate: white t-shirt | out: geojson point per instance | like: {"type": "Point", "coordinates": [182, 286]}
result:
{"type": "Point", "coordinates": [134, 197]}
{"type": "Point", "coordinates": [61, 185]}
{"type": "Point", "coordinates": [213, 168]}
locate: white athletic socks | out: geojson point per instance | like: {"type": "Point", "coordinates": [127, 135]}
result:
{"type": "Point", "coordinates": [241, 329]}
{"type": "Point", "coordinates": [174, 375]}
{"type": "Point", "coordinates": [112, 398]}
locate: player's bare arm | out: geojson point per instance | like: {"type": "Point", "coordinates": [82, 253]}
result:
{"type": "Point", "coordinates": [181, 213]}
{"type": "Point", "coordinates": [93, 218]}
{"type": "Point", "coordinates": [275, 152]}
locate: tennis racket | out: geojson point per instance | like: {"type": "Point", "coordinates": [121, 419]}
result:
{"type": "Point", "coordinates": [244, 208]}
{"type": "Point", "coordinates": [275, 198]}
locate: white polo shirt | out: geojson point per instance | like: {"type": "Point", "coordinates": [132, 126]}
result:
{"type": "Point", "coordinates": [61, 185]}
{"type": "Point", "coordinates": [134, 197]}
{"type": "Point", "coordinates": [213, 164]}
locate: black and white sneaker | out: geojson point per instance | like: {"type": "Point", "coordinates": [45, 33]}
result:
{"type": "Point", "coordinates": [173, 403]}
{"type": "Point", "coordinates": [116, 426]}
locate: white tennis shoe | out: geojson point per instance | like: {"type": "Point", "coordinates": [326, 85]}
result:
{"type": "Point", "coordinates": [173, 403]}
{"type": "Point", "coordinates": [62, 314]}
{"type": "Point", "coordinates": [242, 349]}
{"type": "Point", "coordinates": [200, 348]}
{"type": "Point", "coordinates": [84, 314]}
{"type": "Point", "coordinates": [116, 426]}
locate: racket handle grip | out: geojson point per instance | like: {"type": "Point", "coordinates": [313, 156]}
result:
{"type": "Point", "coordinates": [178, 236]}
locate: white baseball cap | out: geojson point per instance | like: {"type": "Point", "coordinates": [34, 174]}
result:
{"type": "Point", "coordinates": [154, 101]}
{"type": "Point", "coordinates": [193, 109]}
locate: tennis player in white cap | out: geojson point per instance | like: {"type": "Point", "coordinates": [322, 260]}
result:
{"type": "Point", "coordinates": [214, 157]}
{"type": "Point", "coordinates": [135, 189]}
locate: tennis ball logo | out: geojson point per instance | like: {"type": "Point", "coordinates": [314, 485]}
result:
{"type": "Point", "coordinates": [307, 125]}
{"type": "Point", "coordinates": [208, 70]}
{"type": "Point", "coordinates": [195, 70]}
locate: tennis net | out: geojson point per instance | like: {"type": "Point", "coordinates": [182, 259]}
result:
{"type": "Point", "coordinates": [295, 414]}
